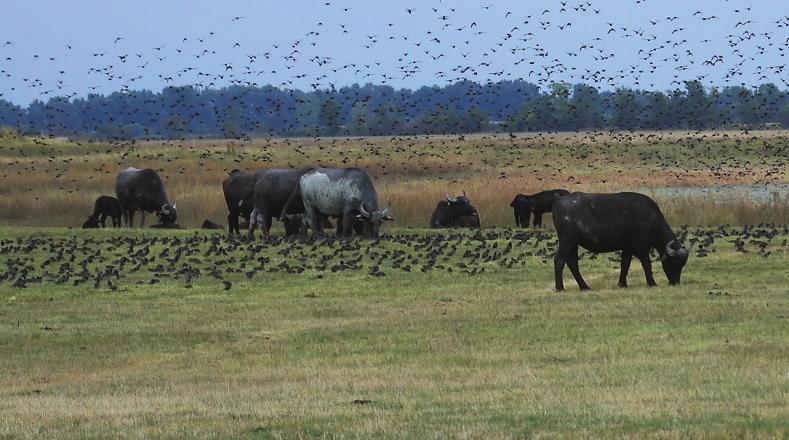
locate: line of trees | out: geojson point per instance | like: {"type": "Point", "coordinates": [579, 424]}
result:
{"type": "Point", "coordinates": [462, 107]}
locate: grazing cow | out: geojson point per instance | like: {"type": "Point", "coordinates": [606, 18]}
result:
{"type": "Point", "coordinates": [346, 193]}
{"type": "Point", "coordinates": [294, 224]}
{"type": "Point", "coordinates": [143, 190]}
{"type": "Point", "coordinates": [271, 190]}
{"type": "Point", "coordinates": [538, 204]}
{"type": "Point", "coordinates": [627, 222]}
{"type": "Point", "coordinates": [448, 211]}
{"type": "Point", "coordinates": [105, 206]}
{"type": "Point", "coordinates": [238, 197]}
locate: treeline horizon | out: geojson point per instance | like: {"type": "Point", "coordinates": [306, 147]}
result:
{"type": "Point", "coordinates": [461, 107]}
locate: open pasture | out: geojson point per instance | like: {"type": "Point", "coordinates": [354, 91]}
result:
{"type": "Point", "coordinates": [416, 335]}
{"type": "Point", "coordinates": [54, 183]}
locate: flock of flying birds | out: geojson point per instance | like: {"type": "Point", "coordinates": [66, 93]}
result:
{"type": "Point", "coordinates": [432, 42]}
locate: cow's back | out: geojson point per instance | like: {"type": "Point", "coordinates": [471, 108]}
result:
{"type": "Point", "coordinates": [332, 191]}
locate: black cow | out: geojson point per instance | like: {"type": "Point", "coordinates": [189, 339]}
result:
{"type": "Point", "coordinates": [238, 197]}
{"type": "Point", "coordinates": [448, 211]}
{"type": "Point", "coordinates": [346, 193]}
{"type": "Point", "coordinates": [538, 204]}
{"type": "Point", "coordinates": [295, 224]}
{"type": "Point", "coordinates": [627, 222]}
{"type": "Point", "coordinates": [143, 190]}
{"type": "Point", "coordinates": [271, 190]}
{"type": "Point", "coordinates": [105, 206]}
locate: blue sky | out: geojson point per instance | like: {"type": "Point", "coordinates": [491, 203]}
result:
{"type": "Point", "coordinates": [52, 47]}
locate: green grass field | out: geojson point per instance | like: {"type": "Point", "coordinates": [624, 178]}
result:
{"type": "Point", "coordinates": [422, 334]}
{"type": "Point", "coordinates": [346, 354]}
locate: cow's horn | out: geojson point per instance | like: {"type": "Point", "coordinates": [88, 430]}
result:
{"type": "Point", "coordinates": [669, 251]}
{"type": "Point", "coordinates": [164, 208]}
{"type": "Point", "coordinates": [464, 193]}
{"type": "Point", "coordinates": [362, 211]}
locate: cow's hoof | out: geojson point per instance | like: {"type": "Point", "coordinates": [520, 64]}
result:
{"type": "Point", "coordinates": [623, 285]}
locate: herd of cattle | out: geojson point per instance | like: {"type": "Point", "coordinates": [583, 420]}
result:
{"type": "Point", "coordinates": [309, 198]}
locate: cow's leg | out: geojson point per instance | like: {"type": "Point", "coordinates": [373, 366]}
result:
{"type": "Point", "coordinates": [339, 226]}
{"type": "Point", "coordinates": [253, 219]}
{"type": "Point", "coordinates": [625, 267]}
{"type": "Point", "coordinates": [347, 223]}
{"type": "Point", "coordinates": [232, 222]}
{"type": "Point", "coordinates": [558, 268]}
{"type": "Point", "coordinates": [572, 263]}
{"type": "Point", "coordinates": [525, 217]}
{"type": "Point", "coordinates": [131, 218]}
{"type": "Point", "coordinates": [103, 220]}
{"type": "Point", "coordinates": [142, 218]}
{"type": "Point", "coordinates": [537, 219]}
{"type": "Point", "coordinates": [517, 217]}
{"type": "Point", "coordinates": [314, 221]}
{"type": "Point", "coordinates": [646, 263]}
{"type": "Point", "coordinates": [116, 221]}
{"type": "Point", "coordinates": [125, 216]}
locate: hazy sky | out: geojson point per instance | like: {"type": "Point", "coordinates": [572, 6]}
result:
{"type": "Point", "coordinates": [72, 48]}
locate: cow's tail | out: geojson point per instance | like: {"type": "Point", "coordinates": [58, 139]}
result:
{"type": "Point", "coordinates": [293, 200]}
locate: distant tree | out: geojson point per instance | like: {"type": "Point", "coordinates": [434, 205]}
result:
{"type": "Point", "coordinates": [625, 109]}
{"type": "Point", "coordinates": [783, 115]}
{"type": "Point", "coordinates": [585, 109]}
{"type": "Point", "coordinates": [330, 119]}
{"type": "Point", "coordinates": [697, 106]}
{"type": "Point", "coordinates": [359, 118]}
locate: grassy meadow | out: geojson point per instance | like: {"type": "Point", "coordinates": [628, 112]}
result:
{"type": "Point", "coordinates": [144, 333]}
{"type": "Point", "coordinates": [477, 346]}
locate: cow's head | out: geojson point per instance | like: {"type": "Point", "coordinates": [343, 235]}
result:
{"type": "Point", "coordinates": [372, 220]}
{"type": "Point", "coordinates": [167, 214]}
{"type": "Point", "coordinates": [459, 206]}
{"type": "Point", "coordinates": [293, 224]}
{"type": "Point", "coordinates": [521, 202]}
{"type": "Point", "coordinates": [91, 223]}
{"type": "Point", "coordinates": [673, 258]}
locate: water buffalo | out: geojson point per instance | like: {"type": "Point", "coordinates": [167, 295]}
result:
{"type": "Point", "coordinates": [295, 224]}
{"type": "Point", "coordinates": [346, 193]}
{"type": "Point", "coordinates": [271, 190]}
{"type": "Point", "coordinates": [238, 197]}
{"type": "Point", "coordinates": [448, 211]}
{"type": "Point", "coordinates": [538, 204]}
{"type": "Point", "coordinates": [105, 206]}
{"type": "Point", "coordinates": [143, 190]}
{"type": "Point", "coordinates": [627, 222]}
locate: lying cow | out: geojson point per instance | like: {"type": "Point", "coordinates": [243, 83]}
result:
{"type": "Point", "coordinates": [449, 211]}
{"type": "Point", "coordinates": [627, 222]}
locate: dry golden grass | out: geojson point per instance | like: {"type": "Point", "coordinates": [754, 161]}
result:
{"type": "Point", "coordinates": [55, 183]}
